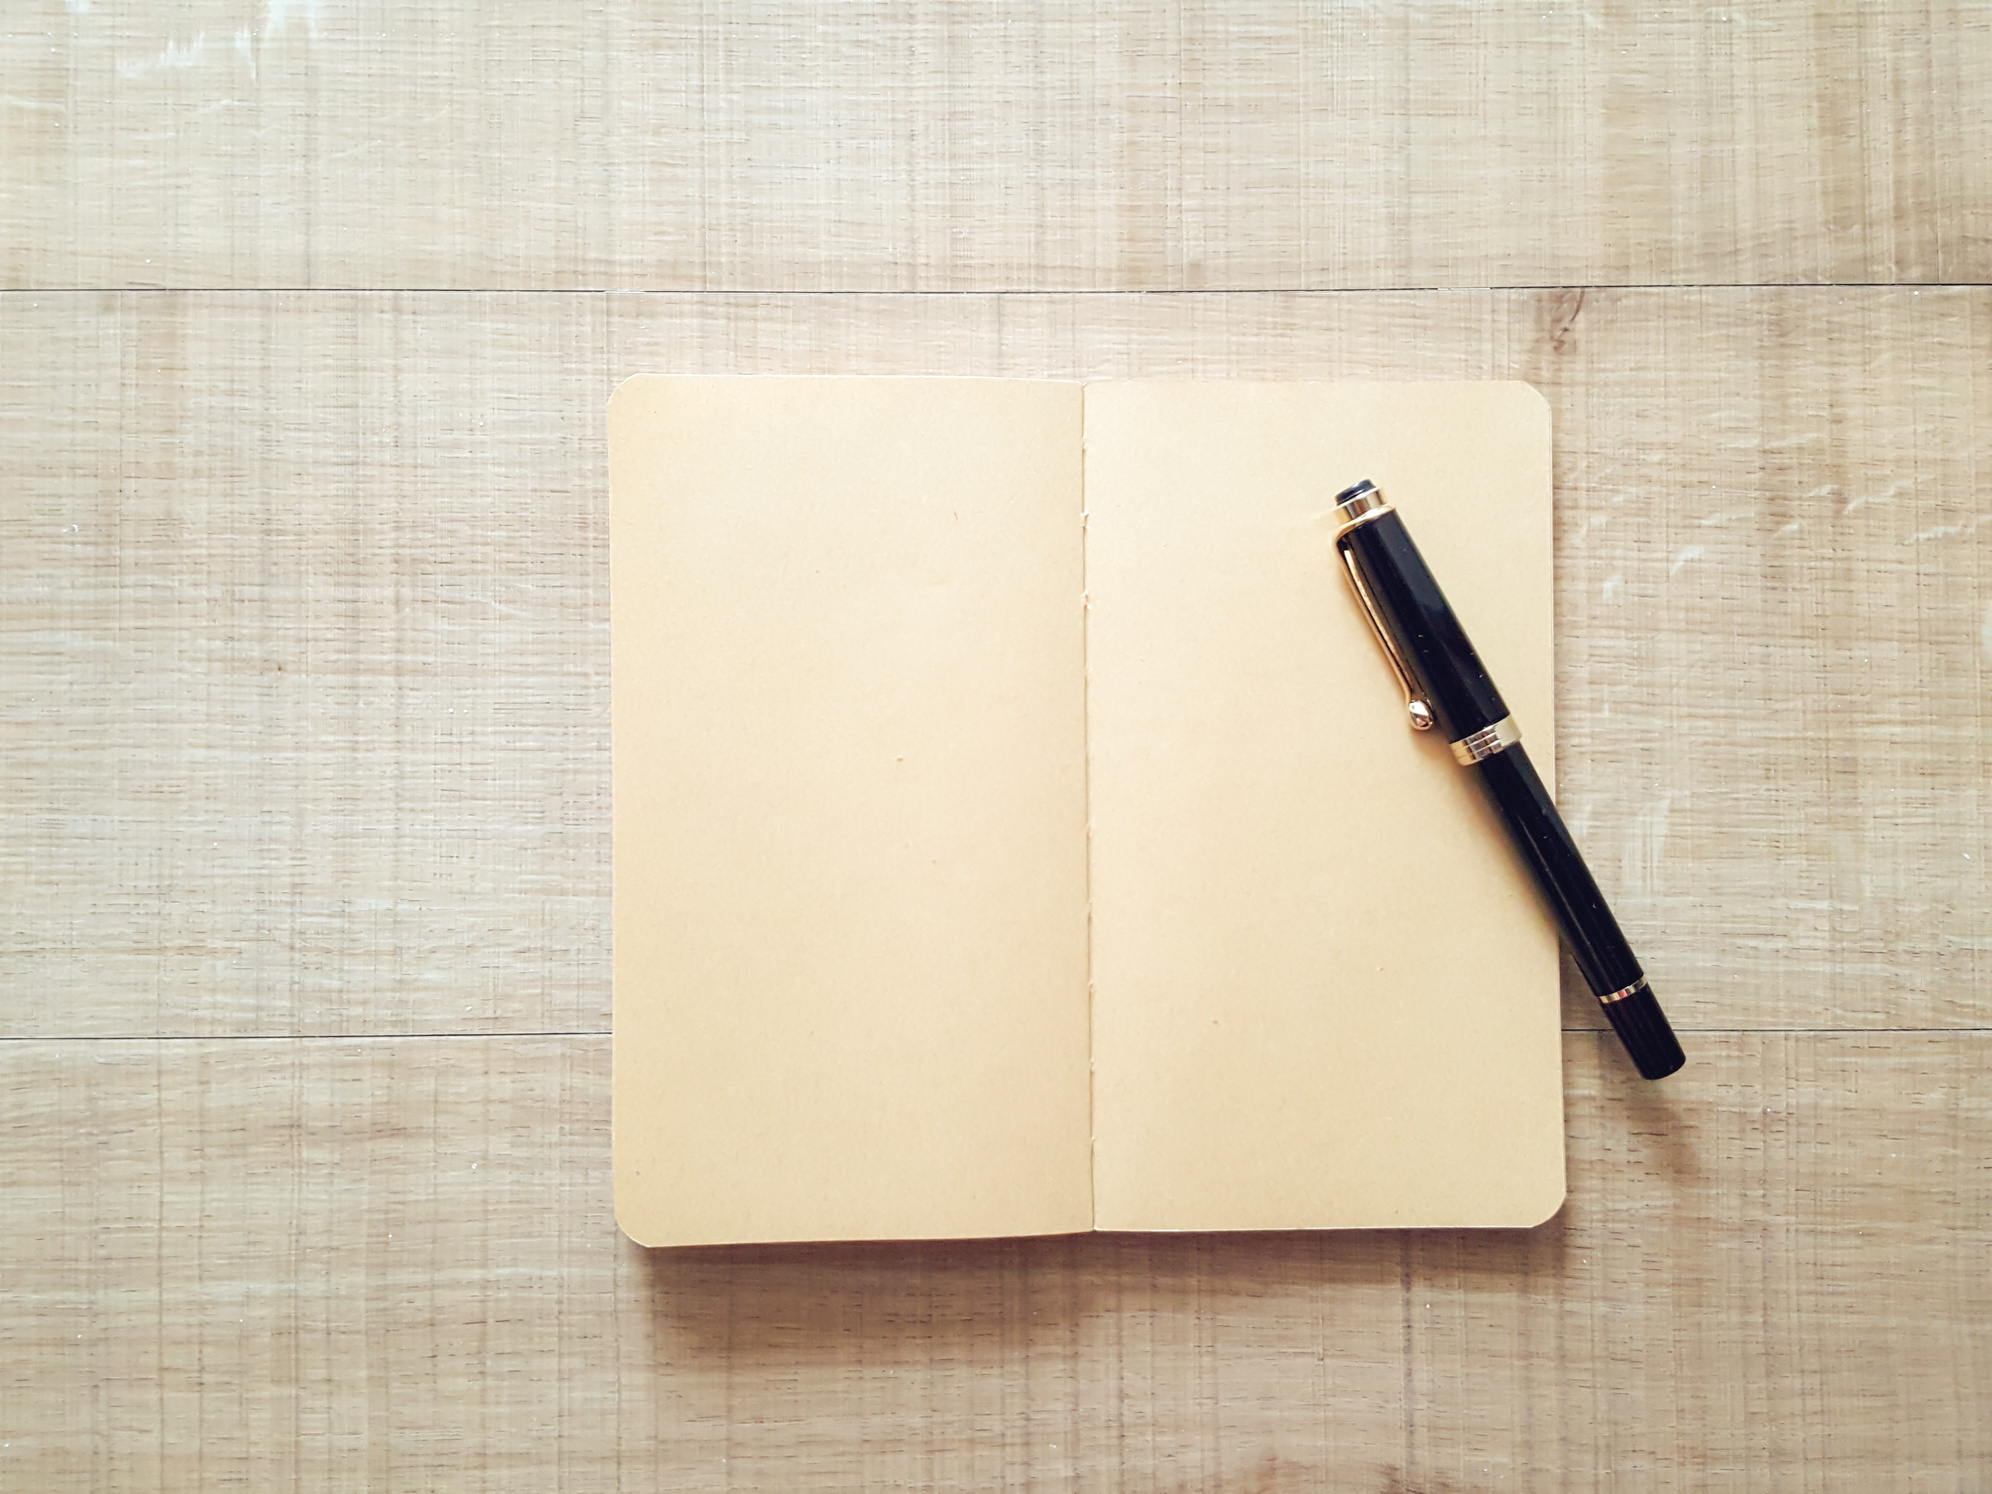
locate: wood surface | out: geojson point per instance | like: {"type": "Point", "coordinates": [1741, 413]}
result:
{"type": "Point", "coordinates": [391, 1263]}
{"type": "Point", "coordinates": [901, 145]}
{"type": "Point", "coordinates": [304, 890]}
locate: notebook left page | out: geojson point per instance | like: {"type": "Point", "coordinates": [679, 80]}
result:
{"type": "Point", "coordinates": [850, 817]}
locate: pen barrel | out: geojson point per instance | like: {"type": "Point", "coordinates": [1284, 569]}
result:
{"type": "Point", "coordinates": [1596, 943]}
{"type": "Point", "coordinates": [1449, 674]}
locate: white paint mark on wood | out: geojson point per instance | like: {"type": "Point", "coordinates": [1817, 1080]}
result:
{"type": "Point", "coordinates": [1645, 844]}
{"type": "Point", "coordinates": [1888, 495]}
{"type": "Point", "coordinates": [1688, 553]}
{"type": "Point", "coordinates": [175, 55]}
{"type": "Point", "coordinates": [1944, 531]}
{"type": "Point", "coordinates": [277, 16]}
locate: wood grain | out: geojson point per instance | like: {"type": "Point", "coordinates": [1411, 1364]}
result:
{"type": "Point", "coordinates": [304, 671]}
{"type": "Point", "coordinates": [304, 688]}
{"type": "Point", "coordinates": [391, 1263]}
{"type": "Point", "coordinates": [306, 680]}
{"type": "Point", "coordinates": [912, 145]}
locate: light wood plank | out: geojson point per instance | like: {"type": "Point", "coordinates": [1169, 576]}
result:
{"type": "Point", "coordinates": [391, 1263]}
{"type": "Point", "coordinates": [303, 695]}
{"type": "Point", "coordinates": [909, 145]}
{"type": "Point", "coordinates": [306, 665]}
{"type": "Point", "coordinates": [305, 675]}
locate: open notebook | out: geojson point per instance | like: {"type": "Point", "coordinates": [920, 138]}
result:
{"type": "Point", "coordinates": [1017, 829]}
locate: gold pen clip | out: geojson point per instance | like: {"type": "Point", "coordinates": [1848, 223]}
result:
{"type": "Point", "coordinates": [1419, 710]}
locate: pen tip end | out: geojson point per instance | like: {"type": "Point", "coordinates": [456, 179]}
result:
{"type": "Point", "coordinates": [1347, 494]}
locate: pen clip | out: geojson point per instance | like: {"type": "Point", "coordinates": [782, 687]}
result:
{"type": "Point", "coordinates": [1415, 705]}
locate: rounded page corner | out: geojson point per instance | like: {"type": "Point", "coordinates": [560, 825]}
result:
{"type": "Point", "coordinates": [627, 391]}
{"type": "Point", "coordinates": [1529, 395]}
{"type": "Point", "coordinates": [637, 1229]}
{"type": "Point", "coordinates": [1541, 1210]}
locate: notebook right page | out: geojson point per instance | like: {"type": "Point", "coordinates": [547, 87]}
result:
{"type": "Point", "coordinates": [1325, 994]}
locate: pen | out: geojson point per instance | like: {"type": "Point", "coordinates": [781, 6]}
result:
{"type": "Point", "coordinates": [1446, 685]}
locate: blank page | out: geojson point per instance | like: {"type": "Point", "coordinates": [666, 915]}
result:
{"type": "Point", "coordinates": [850, 853]}
{"type": "Point", "coordinates": [1325, 992]}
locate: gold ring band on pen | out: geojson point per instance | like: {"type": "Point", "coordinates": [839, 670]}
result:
{"type": "Point", "coordinates": [1624, 991]}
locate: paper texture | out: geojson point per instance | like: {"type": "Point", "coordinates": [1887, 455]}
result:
{"type": "Point", "coordinates": [850, 907]}
{"type": "Point", "coordinates": [1324, 992]}
{"type": "Point", "coordinates": [890, 654]}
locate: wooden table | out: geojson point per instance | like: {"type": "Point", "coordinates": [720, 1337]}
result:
{"type": "Point", "coordinates": [311, 311]}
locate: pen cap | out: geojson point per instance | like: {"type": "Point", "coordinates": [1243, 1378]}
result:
{"type": "Point", "coordinates": [1412, 608]}
{"type": "Point", "coordinates": [1644, 1030]}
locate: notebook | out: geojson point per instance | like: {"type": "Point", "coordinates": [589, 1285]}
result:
{"type": "Point", "coordinates": [1018, 829]}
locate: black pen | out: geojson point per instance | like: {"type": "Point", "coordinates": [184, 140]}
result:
{"type": "Point", "coordinates": [1445, 685]}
